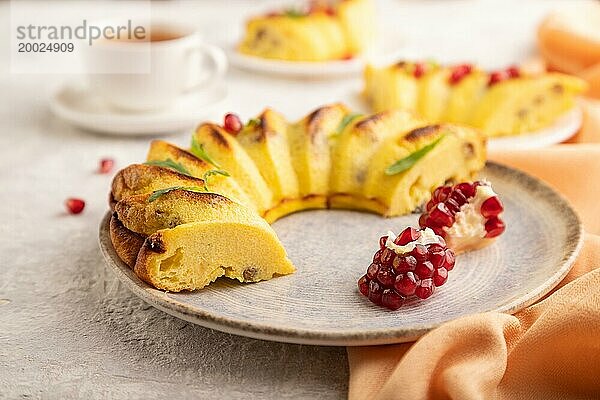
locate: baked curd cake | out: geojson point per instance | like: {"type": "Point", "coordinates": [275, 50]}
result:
{"type": "Point", "coordinates": [186, 217]}
{"type": "Point", "coordinates": [499, 103]}
{"type": "Point", "coordinates": [323, 31]}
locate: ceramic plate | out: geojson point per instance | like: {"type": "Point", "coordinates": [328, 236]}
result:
{"type": "Point", "coordinates": [76, 104]}
{"type": "Point", "coordinates": [565, 127]}
{"type": "Point", "coordinates": [320, 303]}
{"type": "Point", "coordinates": [300, 69]}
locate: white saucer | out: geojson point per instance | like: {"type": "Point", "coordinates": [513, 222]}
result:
{"type": "Point", "coordinates": [298, 69]}
{"type": "Point", "coordinates": [564, 128]}
{"type": "Point", "coordinates": [76, 104]}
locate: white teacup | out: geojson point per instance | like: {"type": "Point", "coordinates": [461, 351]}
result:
{"type": "Point", "coordinates": [150, 74]}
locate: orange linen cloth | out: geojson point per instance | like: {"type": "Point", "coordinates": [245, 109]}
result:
{"type": "Point", "coordinates": [550, 350]}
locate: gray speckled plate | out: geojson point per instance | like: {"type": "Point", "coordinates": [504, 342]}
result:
{"type": "Point", "coordinates": [320, 303]}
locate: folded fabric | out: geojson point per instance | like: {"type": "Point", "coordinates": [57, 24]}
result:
{"type": "Point", "coordinates": [549, 350]}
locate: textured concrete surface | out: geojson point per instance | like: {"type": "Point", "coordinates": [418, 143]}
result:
{"type": "Point", "coordinates": [67, 328]}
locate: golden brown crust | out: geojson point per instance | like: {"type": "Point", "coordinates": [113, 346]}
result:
{"type": "Point", "coordinates": [216, 133]}
{"type": "Point", "coordinates": [127, 244]}
{"type": "Point", "coordinates": [422, 132]}
{"type": "Point", "coordinates": [141, 178]}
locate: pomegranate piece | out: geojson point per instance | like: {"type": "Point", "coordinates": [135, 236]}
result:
{"type": "Point", "coordinates": [499, 76]}
{"type": "Point", "coordinates": [106, 165]}
{"type": "Point", "coordinates": [232, 123]}
{"type": "Point", "coordinates": [408, 266]}
{"type": "Point", "coordinates": [467, 216]}
{"type": "Point", "coordinates": [419, 70]}
{"type": "Point", "coordinates": [459, 72]}
{"type": "Point", "coordinates": [74, 205]}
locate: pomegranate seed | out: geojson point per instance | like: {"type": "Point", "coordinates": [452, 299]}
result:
{"type": "Point", "coordinates": [375, 292]}
{"type": "Point", "coordinates": [449, 260]}
{"type": "Point", "coordinates": [441, 193]}
{"type": "Point", "coordinates": [372, 271]}
{"type": "Point", "coordinates": [496, 77]}
{"type": "Point", "coordinates": [419, 70]}
{"type": "Point", "coordinates": [406, 284]}
{"type": "Point", "coordinates": [106, 165]}
{"type": "Point", "coordinates": [434, 247]}
{"type": "Point", "coordinates": [386, 277]}
{"type": "Point", "coordinates": [452, 205]}
{"type": "Point", "coordinates": [387, 257]}
{"type": "Point", "coordinates": [459, 197]}
{"type": "Point", "coordinates": [419, 252]}
{"type": "Point", "coordinates": [430, 204]}
{"type": "Point", "coordinates": [437, 258]}
{"type": "Point", "coordinates": [404, 264]}
{"type": "Point", "coordinates": [423, 219]}
{"type": "Point", "coordinates": [459, 72]}
{"type": "Point", "coordinates": [424, 289]}
{"type": "Point", "coordinates": [74, 206]}
{"type": "Point", "coordinates": [377, 257]}
{"type": "Point", "coordinates": [513, 71]}
{"type": "Point", "coordinates": [491, 207]}
{"type": "Point", "coordinates": [408, 235]}
{"type": "Point", "coordinates": [467, 189]}
{"type": "Point", "coordinates": [440, 276]}
{"type": "Point", "coordinates": [392, 300]}
{"type": "Point", "coordinates": [363, 285]}
{"type": "Point", "coordinates": [494, 227]}
{"type": "Point", "coordinates": [382, 241]}
{"type": "Point", "coordinates": [424, 270]}
{"type": "Point", "coordinates": [438, 230]}
{"type": "Point", "coordinates": [232, 123]}
{"type": "Point", "coordinates": [441, 215]}
{"type": "Point", "coordinates": [348, 57]}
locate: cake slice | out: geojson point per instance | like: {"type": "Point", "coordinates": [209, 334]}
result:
{"type": "Point", "coordinates": [163, 153]}
{"type": "Point", "coordinates": [212, 237]}
{"type": "Point", "coordinates": [352, 156]}
{"type": "Point", "coordinates": [407, 167]}
{"type": "Point", "coordinates": [309, 141]}
{"type": "Point", "coordinates": [391, 87]}
{"type": "Point", "coordinates": [223, 151]}
{"type": "Point", "coordinates": [266, 142]}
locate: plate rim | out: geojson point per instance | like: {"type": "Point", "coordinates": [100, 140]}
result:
{"type": "Point", "coordinates": [158, 299]}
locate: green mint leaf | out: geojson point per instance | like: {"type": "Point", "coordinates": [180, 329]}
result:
{"type": "Point", "coordinates": [157, 193]}
{"type": "Point", "coordinates": [410, 160]}
{"type": "Point", "coordinates": [210, 173]}
{"type": "Point", "coordinates": [254, 123]}
{"type": "Point", "coordinates": [345, 122]}
{"type": "Point", "coordinates": [169, 163]}
{"type": "Point", "coordinates": [198, 150]}
{"type": "Point", "coordinates": [293, 13]}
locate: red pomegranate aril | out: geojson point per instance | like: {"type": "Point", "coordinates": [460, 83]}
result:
{"type": "Point", "coordinates": [449, 259]}
{"type": "Point", "coordinates": [419, 252]}
{"type": "Point", "coordinates": [452, 205]}
{"type": "Point", "coordinates": [423, 219]}
{"type": "Point", "coordinates": [363, 285]}
{"type": "Point", "coordinates": [437, 258]}
{"type": "Point", "coordinates": [408, 235]}
{"type": "Point", "coordinates": [386, 277]}
{"type": "Point", "coordinates": [440, 276]}
{"type": "Point", "coordinates": [496, 77]}
{"type": "Point", "coordinates": [387, 257]}
{"type": "Point", "coordinates": [467, 189]}
{"type": "Point", "coordinates": [377, 257]}
{"type": "Point", "coordinates": [74, 205]}
{"type": "Point", "coordinates": [441, 193]}
{"type": "Point", "coordinates": [404, 264]}
{"type": "Point", "coordinates": [425, 289]}
{"type": "Point", "coordinates": [375, 291]}
{"type": "Point", "coordinates": [382, 241]}
{"type": "Point", "coordinates": [419, 70]}
{"type": "Point", "coordinates": [494, 227]}
{"type": "Point", "coordinates": [434, 247]}
{"type": "Point", "coordinates": [513, 71]}
{"type": "Point", "coordinates": [438, 230]}
{"type": "Point", "coordinates": [232, 123]}
{"type": "Point", "coordinates": [459, 72]}
{"type": "Point", "coordinates": [459, 197]}
{"type": "Point", "coordinates": [406, 284]}
{"type": "Point", "coordinates": [392, 300]}
{"type": "Point", "coordinates": [492, 207]}
{"type": "Point", "coordinates": [106, 165]}
{"type": "Point", "coordinates": [430, 204]}
{"type": "Point", "coordinates": [372, 270]}
{"type": "Point", "coordinates": [424, 270]}
{"type": "Point", "coordinates": [441, 215]}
